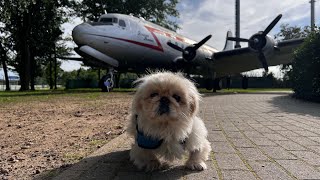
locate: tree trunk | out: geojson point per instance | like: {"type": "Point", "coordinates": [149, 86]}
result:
{"type": "Point", "coordinates": [50, 74]}
{"type": "Point", "coordinates": [25, 53]}
{"type": "Point", "coordinates": [3, 57]}
{"type": "Point", "coordinates": [32, 70]}
{"type": "Point", "coordinates": [55, 68]}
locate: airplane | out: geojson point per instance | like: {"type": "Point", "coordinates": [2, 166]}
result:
{"type": "Point", "coordinates": [125, 43]}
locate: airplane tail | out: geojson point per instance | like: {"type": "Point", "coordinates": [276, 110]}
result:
{"type": "Point", "coordinates": [229, 44]}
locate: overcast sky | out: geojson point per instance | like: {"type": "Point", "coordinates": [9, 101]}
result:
{"type": "Point", "coordinates": [198, 18]}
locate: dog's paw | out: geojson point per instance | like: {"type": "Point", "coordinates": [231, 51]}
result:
{"type": "Point", "coordinates": [152, 165]}
{"type": "Point", "coordinates": [199, 166]}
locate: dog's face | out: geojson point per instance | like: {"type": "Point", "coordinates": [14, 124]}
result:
{"type": "Point", "coordinates": [166, 97]}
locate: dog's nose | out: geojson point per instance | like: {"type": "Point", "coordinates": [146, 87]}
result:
{"type": "Point", "coordinates": [164, 106]}
{"type": "Point", "coordinates": [164, 100]}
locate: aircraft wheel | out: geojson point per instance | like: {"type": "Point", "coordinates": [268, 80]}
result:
{"type": "Point", "coordinates": [245, 82]}
{"type": "Point", "coordinates": [217, 84]}
{"type": "Point", "coordinates": [106, 83]}
{"type": "Point", "coordinates": [209, 84]}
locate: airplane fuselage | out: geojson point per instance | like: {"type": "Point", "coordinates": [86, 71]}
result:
{"type": "Point", "coordinates": [137, 44]}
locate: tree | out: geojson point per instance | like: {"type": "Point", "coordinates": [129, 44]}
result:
{"type": "Point", "coordinates": [4, 59]}
{"type": "Point", "coordinates": [292, 32]}
{"type": "Point", "coordinates": [157, 11]}
{"type": "Point", "coordinates": [34, 30]}
{"type": "Point", "coordinates": [305, 69]}
{"type": "Point", "coordinates": [286, 33]}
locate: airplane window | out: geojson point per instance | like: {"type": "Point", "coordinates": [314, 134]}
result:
{"type": "Point", "coordinates": [122, 23]}
{"type": "Point", "coordinates": [109, 20]}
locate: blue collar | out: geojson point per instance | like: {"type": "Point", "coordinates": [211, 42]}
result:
{"type": "Point", "coordinates": [147, 142]}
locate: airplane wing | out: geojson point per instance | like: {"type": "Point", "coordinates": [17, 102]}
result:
{"type": "Point", "coordinates": [245, 59]}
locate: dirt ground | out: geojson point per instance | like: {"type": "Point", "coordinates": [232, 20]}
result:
{"type": "Point", "coordinates": [45, 134]}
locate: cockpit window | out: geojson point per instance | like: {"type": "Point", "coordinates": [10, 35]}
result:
{"type": "Point", "coordinates": [109, 20]}
{"type": "Point", "coordinates": [122, 23]}
{"type": "Point", "coordinates": [105, 21]}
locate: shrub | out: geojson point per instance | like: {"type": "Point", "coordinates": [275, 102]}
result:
{"type": "Point", "coordinates": [305, 73]}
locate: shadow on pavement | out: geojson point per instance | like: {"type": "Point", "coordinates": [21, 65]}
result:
{"type": "Point", "coordinates": [290, 104]}
{"type": "Point", "coordinates": [114, 165]}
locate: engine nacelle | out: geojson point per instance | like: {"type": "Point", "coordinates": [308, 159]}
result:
{"type": "Point", "coordinates": [265, 43]}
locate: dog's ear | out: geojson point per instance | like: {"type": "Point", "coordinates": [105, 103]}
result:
{"type": "Point", "coordinates": [193, 105]}
{"type": "Point", "coordinates": [137, 82]}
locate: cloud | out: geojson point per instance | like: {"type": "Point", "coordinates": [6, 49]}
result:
{"type": "Point", "coordinates": [216, 17]}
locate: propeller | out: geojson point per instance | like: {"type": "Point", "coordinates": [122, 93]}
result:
{"type": "Point", "coordinates": [258, 41]}
{"type": "Point", "coordinates": [191, 51]}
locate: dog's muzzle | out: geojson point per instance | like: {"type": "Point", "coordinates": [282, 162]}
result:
{"type": "Point", "coordinates": [164, 106]}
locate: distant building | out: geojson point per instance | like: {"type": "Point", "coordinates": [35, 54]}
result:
{"type": "Point", "coordinates": [13, 76]}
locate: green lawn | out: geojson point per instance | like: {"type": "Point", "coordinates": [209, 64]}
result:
{"type": "Point", "coordinates": [93, 93]}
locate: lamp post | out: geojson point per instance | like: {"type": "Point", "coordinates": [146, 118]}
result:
{"type": "Point", "coordinates": [312, 2]}
{"type": "Point", "coordinates": [237, 23]}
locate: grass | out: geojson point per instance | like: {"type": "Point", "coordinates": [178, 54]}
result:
{"type": "Point", "coordinates": [72, 157]}
{"type": "Point", "coordinates": [94, 93]}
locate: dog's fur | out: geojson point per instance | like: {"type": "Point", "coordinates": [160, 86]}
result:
{"type": "Point", "coordinates": [180, 124]}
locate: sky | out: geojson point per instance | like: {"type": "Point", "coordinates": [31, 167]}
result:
{"type": "Point", "coordinates": [198, 18]}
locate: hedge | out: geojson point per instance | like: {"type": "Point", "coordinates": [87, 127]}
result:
{"type": "Point", "coordinates": [305, 73]}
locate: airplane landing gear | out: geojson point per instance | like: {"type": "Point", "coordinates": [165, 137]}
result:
{"type": "Point", "coordinates": [217, 84]}
{"type": "Point", "coordinates": [106, 83]}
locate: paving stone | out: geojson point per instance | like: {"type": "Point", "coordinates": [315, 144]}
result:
{"type": "Point", "coordinates": [237, 135]}
{"type": "Point", "coordinates": [263, 142]}
{"type": "Point", "coordinates": [277, 152]}
{"type": "Point", "coordinates": [316, 139]}
{"type": "Point", "coordinates": [315, 148]}
{"type": "Point", "coordinates": [277, 128]}
{"type": "Point", "coordinates": [252, 154]}
{"type": "Point", "coordinates": [308, 157]}
{"type": "Point", "coordinates": [300, 169]}
{"type": "Point", "coordinates": [242, 143]}
{"type": "Point", "coordinates": [230, 161]}
{"type": "Point", "coordinates": [307, 133]}
{"type": "Point", "coordinates": [216, 136]}
{"type": "Point", "coordinates": [222, 147]}
{"type": "Point", "coordinates": [290, 145]}
{"type": "Point", "coordinates": [288, 133]}
{"type": "Point", "coordinates": [264, 130]}
{"type": "Point", "coordinates": [293, 127]}
{"type": "Point", "coordinates": [237, 175]}
{"type": "Point", "coordinates": [274, 137]}
{"type": "Point", "coordinates": [253, 134]}
{"type": "Point", "coordinates": [304, 141]}
{"type": "Point", "coordinates": [268, 170]}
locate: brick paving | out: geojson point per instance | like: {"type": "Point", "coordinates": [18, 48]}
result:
{"type": "Point", "coordinates": [253, 136]}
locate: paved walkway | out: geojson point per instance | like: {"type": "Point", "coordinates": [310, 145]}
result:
{"type": "Point", "coordinates": [253, 136]}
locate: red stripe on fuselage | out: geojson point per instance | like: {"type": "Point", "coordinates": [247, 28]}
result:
{"type": "Point", "coordinates": [152, 30]}
{"type": "Point", "coordinates": [158, 48]}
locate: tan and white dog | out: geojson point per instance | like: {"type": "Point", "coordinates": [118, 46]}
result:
{"type": "Point", "coordinates": [165, 124]}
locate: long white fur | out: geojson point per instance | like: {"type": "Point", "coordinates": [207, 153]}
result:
{"type": "Point", "coordinates": [183, 123]}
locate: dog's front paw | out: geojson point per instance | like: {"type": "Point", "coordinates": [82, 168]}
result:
{"type": "Point", "coordinates": [152, 165]}
{"type": "Point", "coordinates": [199, 166]}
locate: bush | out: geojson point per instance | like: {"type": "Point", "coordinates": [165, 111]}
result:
{"type": "Point", "coordinates": [305, 73]}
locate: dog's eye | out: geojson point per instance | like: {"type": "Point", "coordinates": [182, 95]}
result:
{"type": "Point", "coordinates": [154, 95]}
{"type": "Point", "coordinates": [177, 98]}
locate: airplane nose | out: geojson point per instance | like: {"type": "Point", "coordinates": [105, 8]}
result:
{"type": "Point", "coordinates": [79, 33]}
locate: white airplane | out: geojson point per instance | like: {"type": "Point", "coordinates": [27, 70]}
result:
{"type": "Point", "coordinates": [129, 44]}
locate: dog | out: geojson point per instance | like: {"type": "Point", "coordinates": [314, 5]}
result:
{"type": "Point", "coordinates": [164, 123]}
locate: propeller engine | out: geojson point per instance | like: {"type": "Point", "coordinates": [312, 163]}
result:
{"type": "Point", "coordinates": [261, 42]}
{"type": "Point", "coordinates": [190, 52]}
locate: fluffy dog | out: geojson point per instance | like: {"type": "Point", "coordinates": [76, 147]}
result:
{"type": "Point", "coordinates": [164, 122]}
